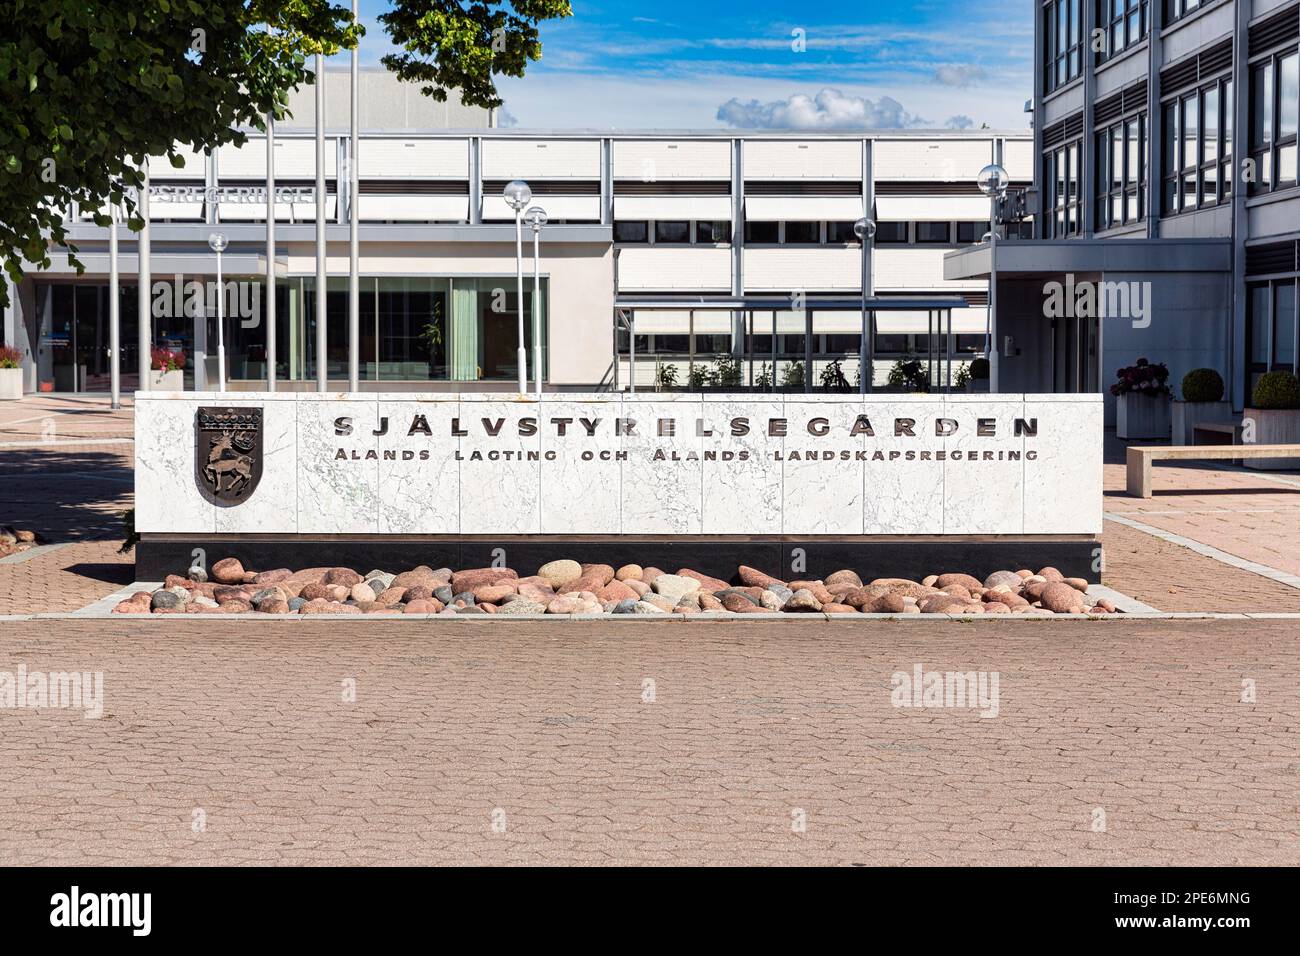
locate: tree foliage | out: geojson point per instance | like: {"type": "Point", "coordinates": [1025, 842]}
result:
{"type": "Point", "coordinates": [89, 90]}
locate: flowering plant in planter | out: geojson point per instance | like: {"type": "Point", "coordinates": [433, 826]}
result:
{"type": "Point", "coordinates": [9, 357]}
{"type": "Point", "coordinates": [1144, 378]}
{"type": "Point", "coordinates": [167, 360]}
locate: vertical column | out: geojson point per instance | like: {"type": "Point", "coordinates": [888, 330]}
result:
{"type": "Point", "coordinates": [738, 245]}
{"type": "Point", "coordinates": [144, 285]}
{"type": "Point", "coordinates": [867, 347]}
{"type": "Point", "coordinates": [354, 240]}
{"type": "Point", "coordinates": [114, 313]}
{"type": "Point", "coordinates": [1087, 159]}
{"type": "Point", "coordinates": [606, 183]}
{"type": "Point", "coordinates": [269, 310]}
{"type": "Point", "coordinates": [1154, 146]}
{"type": "Point", "coordinates": [1235, 334]}
{"type": "Point", "coordinates": [322, 332]}
{"type": "Point", "coordinates": [475, 180]}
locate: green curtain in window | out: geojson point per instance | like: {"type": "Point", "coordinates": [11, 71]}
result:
{"type": "Point", "coordinates": [464, 332]}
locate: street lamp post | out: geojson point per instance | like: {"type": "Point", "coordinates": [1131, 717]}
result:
{"type": "Point", "coordinates": [537, 218]}
{"type": "Point", "coordinates": [992, 181]}
{"type": "Point", "coordinates": [865, 230]}
{"type": "Point", "coordinates": [517, 195]}
{"type": "Point", "coordinates": [217, 241]}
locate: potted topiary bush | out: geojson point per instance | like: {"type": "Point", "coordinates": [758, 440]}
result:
{"type": "Point", "coordinates": [11, 375]}
{"type": "Point", "coordinates": [1273, 418]}
{"type": "Point", "coordinates": [167, 370]}
{"type": "Point", "coordinates": [1142, 401]}
{"type": "Point", "coordinates": [1202, 402]}
{"type": "Point", "coordinates": [979, 375]}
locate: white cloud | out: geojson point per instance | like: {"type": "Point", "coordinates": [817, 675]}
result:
{"type": "Point", "coordinates": [505, 117]}
{"type": "Point", "coordinates": [960, 121]}
{"type": "Point", "coordinates": [828, 109]}
{"type": "Point", "coordinates": [960, 75]}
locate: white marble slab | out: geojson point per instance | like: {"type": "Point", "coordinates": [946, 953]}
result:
{"type": "Point", "coordinates": [822, 495]}
{"type": "Point", "coordinates": [744, 480]}
{"type": "Point", "coordinates": [500, 485]}
{"type": "Point", "coordinates": [662, 478]}
{"type": "Point", "coordinates": [419, 477]}
{"type": "Point", "coordinates": [709, 475]}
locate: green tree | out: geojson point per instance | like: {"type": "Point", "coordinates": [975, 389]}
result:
{"type": "Point", "coordinates": [89, 90]}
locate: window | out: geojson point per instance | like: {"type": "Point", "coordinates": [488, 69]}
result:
{"type": "Point", "coordinates": [1270, 328]}
{"type": "Point", "coordinates": [932, 232]}
{"type": "Point", "coordinates": [758, 233]}
{"type": "Point", "coordinates": [668, 231]}
{"type": "Point", "coordinates": [1123, 23]}
{"type": "Point", "coordinates": [1121, 173]}
{"type": "Point", "coordinates": [1177, 8]}
{"type": "Point", "coordinates": [713, 230]}
{"type": "Point", "coordinates": [971, 231]}
{"type": "Point", "coordinates": [802, 233]}
{"type": "Point", "coordinates": [1274, 114]}
{"type": "Point", "coordinates": [842, 232]}
{"type": "Point", "coordinates": [631, 232]}
{"type": "Point", "coordinates": [1063, 46]}
{"type": "Point", "coordinates": [888, 233]}
{"type": "Point", "coordinates": [1061, 177]}
{"type": "Point", "coordinates": [1197, 164]}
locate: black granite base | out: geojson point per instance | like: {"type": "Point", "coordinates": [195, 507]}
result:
{"type": "Point", "coordinates": [788, 558]}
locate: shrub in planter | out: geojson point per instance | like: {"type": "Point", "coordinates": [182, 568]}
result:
{"type": "Point", "coordinates": [167, 370]}
{"type": "Point", "coordinates": [1142, 409]}
{"type": "Point", "coordinates": [1202, 385]}
{"type": "Point", "coordinates": [1202, 402]}
{"type": "Point", "coordinates": [979, 368]}
{"type": "Point", "coordinates": [910, 375]}
{"type": "Point", "coordinates": [1276, 390]}
{"type": "Point", "coordinates": [11, 374]}
{"type": "Point", "coordinates": [1273, 418]}
{"type": "Point", "coordinates": [978, 376]}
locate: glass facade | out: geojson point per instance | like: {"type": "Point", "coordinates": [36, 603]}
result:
{"type": "Point", "coordinates": [1198, 148]}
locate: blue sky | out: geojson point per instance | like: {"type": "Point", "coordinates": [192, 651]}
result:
{"type": "Point", "coordinates": [779, 65]}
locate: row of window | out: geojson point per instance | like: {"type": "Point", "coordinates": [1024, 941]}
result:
{"type": "Point", "coordinates": [1061, 181]}
{"type": "Point", "coordinates": [1198, 148]}
{"type": "Point", "coordinates": [1271, 328]}
{"type": "Point", "coordinates": [1062, 42]}
{"type": "Point", "coordinates": [1123, 23]}
{"type": "Point", "coordinates": [794, 233]}
{"type": "Point", "coordinates": [1274, 115]}
{"type": "Point", "coordinates": [1121, 194]}
{"type": "Point", "coordinates": [824, 344]}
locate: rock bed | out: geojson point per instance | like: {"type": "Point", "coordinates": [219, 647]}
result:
{"type": "Point", "coordinates": [13, 540]}
{"type": "Point", "coordinates": [567, 587]}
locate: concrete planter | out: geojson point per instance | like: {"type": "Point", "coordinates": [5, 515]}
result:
{"type": "Point", "coordinates": [1187, 415]}
{"type": "Point", "coordinates": [977, 386]}
{"type": "Point", "coordinates": [1272, 426]}
{"type": "Point", "coordinates": [1140, 417]}
{"type": "Point", "coordinates": [173, 381]}
{"type": "Point", "coordinates": [11, 384]}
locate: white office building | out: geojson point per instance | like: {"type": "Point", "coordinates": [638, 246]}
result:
{"type": "Point", "coordinates": [702, 255]}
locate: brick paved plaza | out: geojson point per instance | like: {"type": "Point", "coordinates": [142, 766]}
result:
{"type": "Point", "coordinates": [749, 725]}
{"type": "Point", "coordinates": [476, 742]}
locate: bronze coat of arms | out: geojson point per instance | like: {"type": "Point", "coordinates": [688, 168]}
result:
{"type": "Point", "coordinates": [227, 453]}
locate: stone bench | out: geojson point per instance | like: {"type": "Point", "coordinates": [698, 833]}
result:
{"type": "Point", "coordinates": [1140, 459]}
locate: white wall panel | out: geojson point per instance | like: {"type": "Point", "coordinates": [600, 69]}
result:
{"type": "Point", "coordinates": [664, 268]}
{"type": "Point", "coordinates": [418, 208]}
{"type": "Point", "coordinates": [413, 159]}
{"type": "Point", "coordinates": [794, 159]}
{"type": "Point", "coordinates": [650, 160]}
{"type": "Point", "coordinates": [946, 160]}
{"type": "Point", "coordinates": [587, 208]}
{"type": "Point", "coordinates": [788, 268]}
{"type": "Point", "coordinates": [672, 207]}
{"type": "Point", "coordinates": [541, 159]}
{"type": "Point", "coordinates": [294, 159]}
{"type": "Point", "coordinates": [900, 269]}
{"type": "Point", "coordinates": [1018, 158]}
{"type": "Point", "coordinates": [160, 167]}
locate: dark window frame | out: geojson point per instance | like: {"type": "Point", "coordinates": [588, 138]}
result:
{"type": "Point", "coordinates": [1184, 171]}
{"type": "Point", "coordinates": [1124, 28]}
{"type": "Point", "coordinates": [1128, 192]}
{"type": "Point", "coordinates": [1063, 42]}
{"type": "Point", "coordinates": [1267, 153]}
